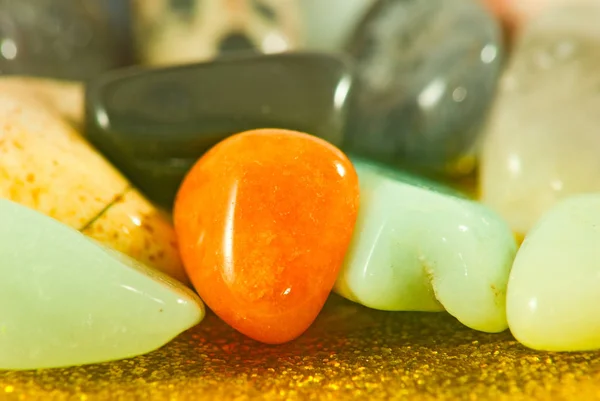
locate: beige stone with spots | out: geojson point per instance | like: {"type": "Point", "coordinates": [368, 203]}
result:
{"type": "Point", "coordinates": [46, 165]}
{"type": "Point", "coordinates": [133, 226]}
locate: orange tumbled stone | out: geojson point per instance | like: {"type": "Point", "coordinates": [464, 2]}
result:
{"type": "Point", "coordinates": [263, 221]}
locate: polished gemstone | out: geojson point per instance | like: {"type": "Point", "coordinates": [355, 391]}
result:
{"type": "Point", "coordinates": [542, 140]}
{"type": "Point", "coordinates": [175, 32]}
{"type": "Point", "coordinates": [426, 75]}
{"type": "Point", "coordinates": [46, 165]}
{"type": "Point", "coordinates": [263, 221]}
{"type": "Point", "coordinates": [67, 39]}
{"type": "Point", "coordinates": [553, 302]}
{"type": "Point", "coordinates": [155, 124]}
{"type": "Point", "coordinates": [420, 247]}
{"type": "Point", "coordinates": [66, 300]}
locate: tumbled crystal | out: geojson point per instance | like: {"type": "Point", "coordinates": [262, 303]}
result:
{"type": "Point", "coordinates": [426, 74]}
{"type": "Point", "coordinates": [419, 246]}
{"type": "Point", "coordinates": [542, 139]}
{"type": "Point", "coordinates": [553, 302]}
{"type": "Point", "coordinates": [155, 124]}
{"type": "Point", "coordinates": [68, 39]}
{"type": "Point", "coordinates": [263, 221]}
{"type": "Point", "coordinates": [176, 32]}
{"type": "Point", "coordinates": [66, 300]}
{"type": "Point", "coordinates": [46, 165]}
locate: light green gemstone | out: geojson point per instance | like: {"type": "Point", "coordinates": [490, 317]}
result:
{"type": "Point", "coordinates": [421, 248]}
{"type": "Point", "coordinates": [553, 300]}
{"type": "Point", "coordinates": [66, 300]}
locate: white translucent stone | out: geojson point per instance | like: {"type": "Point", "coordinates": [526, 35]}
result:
{"type": "Point", "coordinates": [418, 249]}
{"type": "Point", "coordinates": [66, 300]}
{"type": "Point", "coordinates": [553, 299]}
{"type": "Point", "coordinates": [542, 142]}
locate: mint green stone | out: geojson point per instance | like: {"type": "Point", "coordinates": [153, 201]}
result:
{"type": "Point", "coordinates": [421, 247]}
{"type": "Point", "coordinates": [66, 300]}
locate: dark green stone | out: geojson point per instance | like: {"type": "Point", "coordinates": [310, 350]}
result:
{"type": "Point", "coordinates": [426, 74]}
{"type": "Point", "coordinates": [154, 124]}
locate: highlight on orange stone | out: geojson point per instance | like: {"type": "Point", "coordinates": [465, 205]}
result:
{"type": "Point", "coordinates": [264, 220]}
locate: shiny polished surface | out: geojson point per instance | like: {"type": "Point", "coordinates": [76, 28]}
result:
{"type": "Point", "coordinates": [553, 301]}
{"type": "Point", "coordinates": [263, 222]}
{"type": "Point", "coordinates": [46, 165]}
{"type": "Point", "coordinates": [155, 124]}
{"type": "Point", "coordinates": [426, 74]}
{"type": "Point", "coordinates": [67, 300]}
{"type": "Point", "coordinates": [177, 32]}
{"type": "Point", "coordinates": [417, 249]}
{"type": "Point", "coordinates": [349, 353]}
{"type": "Point", "coordinates": [66, 39]}
{"type": "Point", "coordinates": [542, 141]}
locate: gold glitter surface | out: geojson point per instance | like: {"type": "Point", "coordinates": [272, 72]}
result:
{"type": "Point", "coordinates": [349, 353]}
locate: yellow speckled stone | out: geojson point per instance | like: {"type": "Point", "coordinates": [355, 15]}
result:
{"type": "Point", "coordinates": [45, 164]}
{"type": "Point", "coordinates": [349, 353]}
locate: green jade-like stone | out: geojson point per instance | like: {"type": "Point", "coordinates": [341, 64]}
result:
{"type": "Point", "coordinates": [66, 300]}
{"type": "Point", "coordinates": [421, 247]}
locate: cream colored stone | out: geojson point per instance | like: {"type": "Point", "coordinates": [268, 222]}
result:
{"type": "Point", "coordinates": [47, 166]}
{"type": "Point", "coordinates": [542, 142]}
{"type": "Point", "coordinates": [553, 296]}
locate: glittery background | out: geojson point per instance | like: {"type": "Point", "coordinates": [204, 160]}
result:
{"type": "Point", "coordinates": [349, 353]}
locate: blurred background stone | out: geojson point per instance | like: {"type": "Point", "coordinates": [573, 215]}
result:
{"type": "Point", "coordinates": [64, 39]}
{"type": "Point", "coordinates": [180, 31]}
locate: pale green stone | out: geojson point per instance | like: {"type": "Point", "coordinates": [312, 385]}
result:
{"type": "Point", "coordinates": [420, 249]}
{"type": "Point", "coordinates": [553, 299]}
{"type": "Point", "coordinates": [66, 300]}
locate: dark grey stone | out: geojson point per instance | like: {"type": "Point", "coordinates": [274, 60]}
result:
{"type": "Point", "coordinates": [154, 124]}
{"type": "Point", "coordinates": [65, 39]}
{"type": "Point", "coordinates": [426, 75]}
